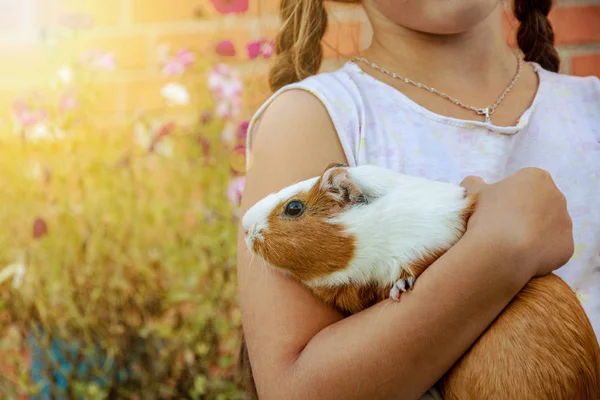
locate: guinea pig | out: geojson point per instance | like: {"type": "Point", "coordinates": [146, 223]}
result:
{"type": "Point", "coordinates": [357, 236]}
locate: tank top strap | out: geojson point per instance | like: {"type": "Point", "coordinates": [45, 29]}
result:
{"type": "Point", "coordinates": [340, 96]}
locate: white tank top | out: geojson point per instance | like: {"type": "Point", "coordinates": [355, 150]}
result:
{"type": "Point", "coordinates": [560, 132]}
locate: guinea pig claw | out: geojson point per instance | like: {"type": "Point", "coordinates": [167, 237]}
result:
{"type": "Point", "coordinates": [395, 293]}
{"type": "Point", "coordinates": [401, 286]}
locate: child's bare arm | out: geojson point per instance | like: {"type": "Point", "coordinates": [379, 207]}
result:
{"type": "Point", "coordinates": [300, 348]}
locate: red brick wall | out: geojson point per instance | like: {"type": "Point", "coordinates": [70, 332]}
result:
{"type": "Point", "coordinates": [133, 29]}
{"type": "Point", "coordinates": [576, 26]}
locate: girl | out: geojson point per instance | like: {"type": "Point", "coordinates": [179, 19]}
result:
{"type": "Point", "coordinates": [438, 94]}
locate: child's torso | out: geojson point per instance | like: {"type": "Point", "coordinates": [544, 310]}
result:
{"type": "Point", "coordinates": [560, 132]}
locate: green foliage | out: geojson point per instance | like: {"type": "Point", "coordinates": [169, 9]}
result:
{"type": "Point", "coordinates": [124, 252]}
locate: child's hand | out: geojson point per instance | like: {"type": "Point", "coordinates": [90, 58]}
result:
{"type": "Point", "coordinates": [526, 216]}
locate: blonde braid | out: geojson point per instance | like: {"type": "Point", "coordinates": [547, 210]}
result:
{"type": "Point", "coordinates": [298, 44]}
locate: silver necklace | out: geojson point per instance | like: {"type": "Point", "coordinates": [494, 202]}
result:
{"type": "Point", "coordinates": [487, 111]}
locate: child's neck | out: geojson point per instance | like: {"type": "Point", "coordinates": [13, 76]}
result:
{"type": "Point", "coordinates": [477, 58]}
{"type": "Point", "coordinates": [474, 67]}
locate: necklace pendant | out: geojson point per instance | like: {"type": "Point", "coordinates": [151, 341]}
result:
{"type": "Point", "coordinates": [486, 112]}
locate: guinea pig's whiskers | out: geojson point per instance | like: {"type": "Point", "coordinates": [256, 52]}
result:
{"type": "Point", "coordinates": [251, 259]}
{"type": "Point", "coordinates": [381, 311]}
{"type": "Point", "coordinates": [264, 265]}
{"type": "Point", "coordinates": [260, 260]}
{"type": "Point", "coordinates": [274, 253]}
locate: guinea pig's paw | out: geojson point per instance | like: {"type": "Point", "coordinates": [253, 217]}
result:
{"type": "Point", "coordinates": [395, 293]}
{"type": "Point", "coordinates": [401, 286]}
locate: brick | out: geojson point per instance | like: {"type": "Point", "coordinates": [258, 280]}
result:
{"type": "Point", "coordinates": [131, 51]}
{"type": "Point", "coordinates": [104, 13]}
{"type": "Point", "coordinates": [263, 8]}
{"type": "Point", "coordinates": [205, 41]}
{"type": "Point", "coordinates": [108, 96]}
{"type": "Point", "coordinates": [145, 94]}
{"type": "Point", "coordinates": [576, 24]}
{"type": "Point", "coordinates": [341, 40]}
{"type": "Point", "coordinates": [585, 65]}
{"type": "Point", "coordinates": [571, 25]}
{"type": "Point", "coordinates": [256, 90]}
{"type": "Point", "coordinates": [151, 11]}
{"type": "Point", "coordinates": [199, 41]}
{"type": "Point", "coordinates": [24, 61]}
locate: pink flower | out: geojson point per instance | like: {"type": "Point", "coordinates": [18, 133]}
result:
{"type": "Point", "coordinates": [68, 101]}
{"type": "Point", "coordinates": [105, 61]}
{"type": "Point", "coordinates": [26, 115]}
{"type": "Point", "coordinates": [230, 6]}
{"type": "Point", "coordinates": [228, 133]}
{"type": "Point", "coordinates": [228, 108]}
{"type": "Point", "coordinates": [260, 47]}
{"type": "Point", "coordinates": [243, 130]}
{"type": "Point", "coordinates": [253, 49]}
{"type": "Point", "coordinates": [224, 82]}
{"type": "Point", "coordinates": [177, 64]}
{"type": "Point", "coordinates": [235, 190]}
{"type": "Point", "coordinates": [99, 60]}
{"type": "Point", "coordinates": [226, 87]}
{"type": "Point", "coordinates": [268, 48]}
{"type": "Point", "coordinates": [40, 228]}
{"type": "Point", "coordinates": [186, 57]}
{"type": "Point", "coordinates": [225, 48]}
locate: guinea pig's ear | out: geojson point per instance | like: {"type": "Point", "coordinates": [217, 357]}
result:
{"type": "Point", "coordinates": [334, 165]}
{"type": "Point", "coordinates": [336, 182]}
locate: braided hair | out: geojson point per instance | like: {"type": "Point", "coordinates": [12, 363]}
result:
{"type": "Point", "coordinates": [535, 36]}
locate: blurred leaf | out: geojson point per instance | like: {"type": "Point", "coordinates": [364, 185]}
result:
{"type": "Point", "coordinates": [128, 285]}
{"type": "Point", "coordinates": [199, 385]}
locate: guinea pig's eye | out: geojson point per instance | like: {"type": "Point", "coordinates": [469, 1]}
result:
{"type": "Point", "coordinates": [294, 208]}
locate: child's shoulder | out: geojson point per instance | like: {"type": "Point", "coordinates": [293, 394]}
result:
{"type": "Point", "coordinates": [338, 90]}
{"type": "Point", "coordinates": [586, 88]}
{"type": "Point", "coordinates": [341, 79]}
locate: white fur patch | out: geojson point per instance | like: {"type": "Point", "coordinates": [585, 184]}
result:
{"type": "Point", "coordinates": [255, 220]}
{"type": "Point", "coordinates": [406, 218]}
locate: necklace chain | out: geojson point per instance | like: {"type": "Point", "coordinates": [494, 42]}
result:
{"type": "Point", "coordinates": [487, 111]}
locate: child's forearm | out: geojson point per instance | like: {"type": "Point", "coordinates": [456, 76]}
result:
{"type": "Point", "coordinates": [393, 351]}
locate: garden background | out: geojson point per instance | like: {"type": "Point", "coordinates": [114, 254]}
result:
{"type": "Point", "coordinates": [122, 124]}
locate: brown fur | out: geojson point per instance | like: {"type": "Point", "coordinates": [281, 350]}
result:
{"type": "Point", "coordinates": [331, 194]}
{"type": "Point", "coordinates": [350, 299]}
{"type": "Point", "coordinates": [542, 345]}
